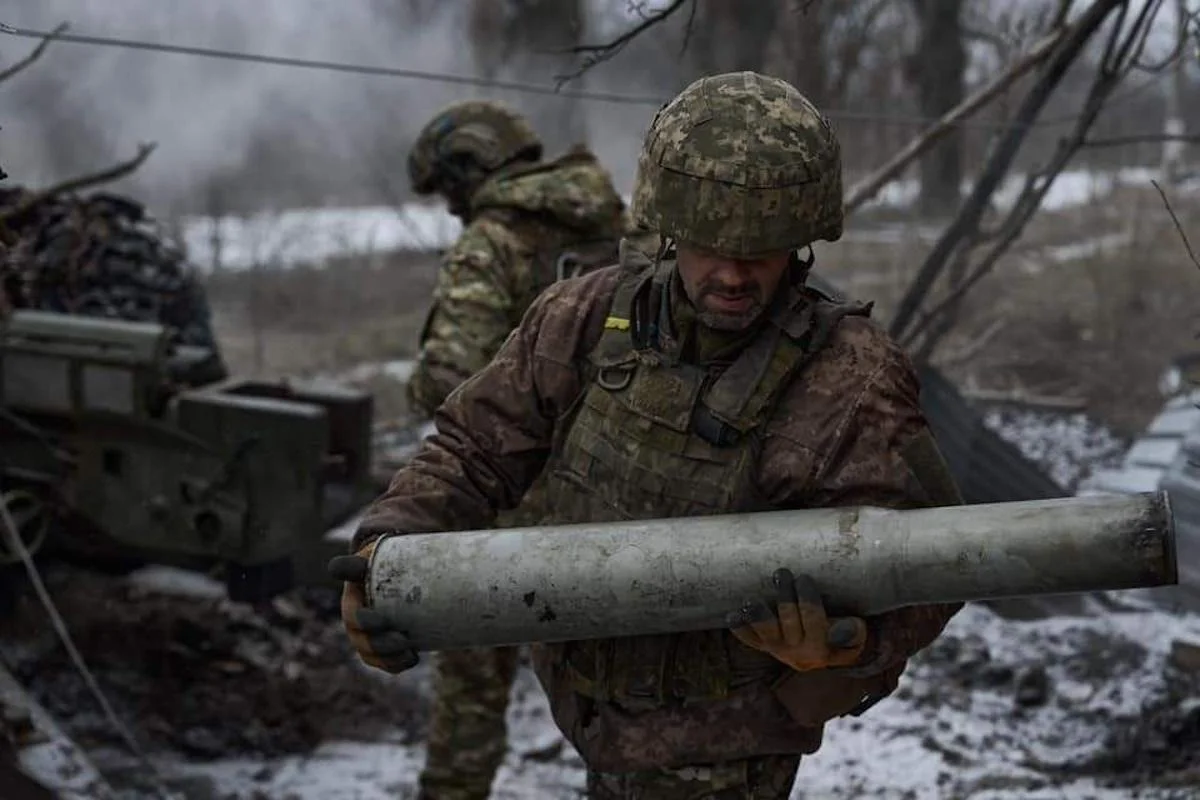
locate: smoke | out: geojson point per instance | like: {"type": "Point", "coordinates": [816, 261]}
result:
{"type": "Point", "coordinates": [233, 135]}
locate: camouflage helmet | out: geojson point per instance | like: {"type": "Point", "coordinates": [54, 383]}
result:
{"type": "Point", "coordinates": [743, 165]}
{"type": "Point", "coordinates": [485, 132]}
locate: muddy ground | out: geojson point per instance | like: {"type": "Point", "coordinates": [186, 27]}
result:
{"type": "Point", "coordinates": [204, 677]}
{"type": "Point", "coordinates": [1101, 707]}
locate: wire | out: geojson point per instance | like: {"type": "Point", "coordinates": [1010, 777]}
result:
{"type": "Point", "coordinates": [9, 529]}
{"type": "Point", "coordinates": [489, 83]}
{"type": "Point", "coordinates": [337, 66]}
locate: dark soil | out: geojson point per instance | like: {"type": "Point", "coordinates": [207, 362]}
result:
{"type": "Point", "coordinates": [206, 678]}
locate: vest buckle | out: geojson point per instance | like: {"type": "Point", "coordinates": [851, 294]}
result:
{"type": "Point", "coordinates": [713, 430]}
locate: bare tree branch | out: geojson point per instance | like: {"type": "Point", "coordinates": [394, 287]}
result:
{"type": "Point", "coordinates": [966, 224]}
{"type": "Point", "coordinates": [599, 53]}
{"type": "Point", "coordinates": [82, 182]}
{"type": "Point", "coordinates": [867, 188]}
{"type": "Point", "coordinates": [1062, 12]}
{"type": "Point", "coordinates": [1181, 40]}
{"type": "Point", "coordinates": [849, 54]}
{"type": "Point", "coordinates": [1147, 138]}
{"type": "Point", "coordinates": [1120, 55]}
{"type": "Point", "coordinates": [1182, 234]}
{"type": "Point", "coordinates": [1114, 56]}
{"type": "Point", "coordinates": [35, 54]}
{"type": "Point", "coordinates": [990, 38]}
{"type": "Point", "coordinates": [688, 28]}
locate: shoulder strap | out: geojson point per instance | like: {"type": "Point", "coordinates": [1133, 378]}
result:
{"type": "Point", "coordinates": [625, 331]}
{"type": "Point", "coordinates": [745, 394]}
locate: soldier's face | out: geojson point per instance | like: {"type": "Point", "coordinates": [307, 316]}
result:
{"type": "Point", "coordinates": [729, 293]}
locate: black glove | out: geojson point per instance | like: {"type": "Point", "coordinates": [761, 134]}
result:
{"type": "Point", "coordinates": [378, 642]}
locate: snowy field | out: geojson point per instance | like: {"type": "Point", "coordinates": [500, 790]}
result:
{"type": "Point", "coordinates": [310, 236]}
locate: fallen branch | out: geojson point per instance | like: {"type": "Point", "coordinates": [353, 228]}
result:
{"type": "Point", "coordinates": [1182, 234]}
{"type": "Point", "coordinates": [867, 188]}
{"type": "Point", "coordinates": [82, 182]}
{"type": "Point", "coordinates": [35, 54]}
{"type": "Point", "coordinates": [1020, 398]}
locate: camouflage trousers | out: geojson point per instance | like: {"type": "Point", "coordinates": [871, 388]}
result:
{"type": "Point", "coordinates": [467, 734]}
{"type": "Point", "coordinates": [766, 778]}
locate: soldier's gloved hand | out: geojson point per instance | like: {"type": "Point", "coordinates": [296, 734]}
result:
{"type": "Point", "coordinates": [378, 643]}
{"type": "Point", "coordinates": [801, 635]}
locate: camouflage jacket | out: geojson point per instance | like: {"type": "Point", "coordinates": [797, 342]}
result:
{"type": "Point", "coordinates": [836, 438]}
{"type": "Point", "coordinates": [520, 220]}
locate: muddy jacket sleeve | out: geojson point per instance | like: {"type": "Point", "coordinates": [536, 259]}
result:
{"type": "Point", "coordinates": [875, 448]}
{"type": "Point", "coordinates": [889, 458]}
{"type": "Point", "coordinates": [494, 432]}
{"type": "Point", "coordinates": [475, 306]}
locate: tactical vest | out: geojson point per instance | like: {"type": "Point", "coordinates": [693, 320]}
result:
{"type": "Point", "coordinates": [652, 437]}
{"type": "Point", "coordinates": [561, 253]}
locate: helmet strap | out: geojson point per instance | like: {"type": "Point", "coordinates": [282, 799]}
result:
{"type": "Point", "coordinates": [800, 267]}
{"type": "Point", "coordinates": [666, 247]}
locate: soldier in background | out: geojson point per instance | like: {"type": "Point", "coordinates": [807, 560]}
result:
{"type": "Point", "coordinates": [707, 379]}
{"type": "Point", "coordinates": [528, 223]}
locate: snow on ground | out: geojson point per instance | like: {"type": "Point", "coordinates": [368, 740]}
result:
{"type": "Point", "coordinates": [308, 236]}
{"type": "Point", "coordinates": [1086, 248]}
{"type": "Point", "coordinates": [311, 236]}
{"type": "Point", "coordinates": [1010, 708]}
{"type": "Point", "coordinates": [539, 764]}
{"type": "Point", "coordinates": [1067, 446]}
{"type": "Point", "coordinates": [996, 709]}
{"type": "Point", "coordinates": [1070, 189]}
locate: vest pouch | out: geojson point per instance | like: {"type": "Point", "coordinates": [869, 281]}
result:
{"type": "Point", "coordinates": [613, 737]}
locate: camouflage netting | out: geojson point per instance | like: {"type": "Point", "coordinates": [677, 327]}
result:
{"type": "Point", "coordinates": [100, 255]}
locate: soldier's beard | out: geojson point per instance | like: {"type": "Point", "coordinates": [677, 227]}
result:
{"type": "Point", "coordinates": [728, 320]}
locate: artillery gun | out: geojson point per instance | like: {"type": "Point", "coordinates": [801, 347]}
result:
{"type": "Point", "coordinates": [109, 449]}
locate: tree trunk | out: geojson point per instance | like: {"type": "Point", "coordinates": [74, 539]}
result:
{"type": "Point", "coordinates": [937, 71]}
{"type": "Point", "coordinates": [731, 35]}
{"type": "Point", "coordinates": [796, 51]}
{"type": "Point", "coordinates": [1173, 124]}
